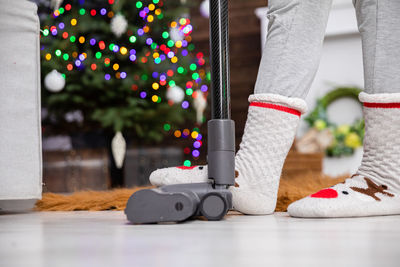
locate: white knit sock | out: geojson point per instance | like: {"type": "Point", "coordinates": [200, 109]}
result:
{"type": "Point", "coordinates": [375, 188]}
{"type": "Point", "coordinates": [269, 132]}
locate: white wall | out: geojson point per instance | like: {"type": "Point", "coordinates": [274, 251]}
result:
{"type": "Point", "coordinates": [20, 130]}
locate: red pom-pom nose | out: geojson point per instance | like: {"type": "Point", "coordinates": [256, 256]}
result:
{"type": "Point", "coordinates": [326, 193]}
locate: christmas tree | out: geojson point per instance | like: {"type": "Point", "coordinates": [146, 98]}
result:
{"type": "Point", "coordinates": [120, 66]}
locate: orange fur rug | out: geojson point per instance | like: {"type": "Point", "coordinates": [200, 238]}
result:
{"type": "Point", "coordinates": [290, 189]}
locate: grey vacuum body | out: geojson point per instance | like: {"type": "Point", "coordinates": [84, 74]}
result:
{"type": "Point", "coordinates": [175, 203]}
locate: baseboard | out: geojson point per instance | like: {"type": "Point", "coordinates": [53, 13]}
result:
{"type": "Point", "coordinates": [17, 205]}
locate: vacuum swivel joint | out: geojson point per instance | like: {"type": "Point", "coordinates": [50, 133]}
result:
{"type": "Point", "coordinates": [221, 151]}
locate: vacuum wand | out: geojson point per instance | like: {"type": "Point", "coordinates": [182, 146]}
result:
{"type": "Point", "coordinates": [212, 199]}
{"type": "Point", "coordinates": [221, 129]}
{"type": "Point", "coordinates": [219, 52]}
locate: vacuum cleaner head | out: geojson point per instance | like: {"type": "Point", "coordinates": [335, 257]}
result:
{"type": "Point", "coordinates": [175, 203]}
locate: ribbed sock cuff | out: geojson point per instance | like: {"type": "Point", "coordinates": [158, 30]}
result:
{"type": "Point", "coordinates": [291, 103]}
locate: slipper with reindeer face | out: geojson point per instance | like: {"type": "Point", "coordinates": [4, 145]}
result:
{"type": "Point", "coordinates": [375, 189]}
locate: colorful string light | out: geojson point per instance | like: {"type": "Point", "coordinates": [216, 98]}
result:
{"type": "Point", "coordinates": [168, 51]}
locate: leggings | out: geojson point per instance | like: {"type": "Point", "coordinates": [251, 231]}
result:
{"type": "Point", "coordinates": [295, 36]}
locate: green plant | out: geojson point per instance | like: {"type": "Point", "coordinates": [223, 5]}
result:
{"type": "Point", "coordinates": [346, 137]}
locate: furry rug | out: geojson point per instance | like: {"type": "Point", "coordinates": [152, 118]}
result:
{"type": "Point", "coordinates": [291, 189]}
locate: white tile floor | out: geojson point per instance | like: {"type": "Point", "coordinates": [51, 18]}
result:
{"type": "Point", "coordinates": [105, 239]}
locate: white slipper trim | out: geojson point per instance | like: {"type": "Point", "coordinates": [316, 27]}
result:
{"type": "Point", "coordinates": [291, 102]}
{"type": "Point", "coordinates": [379, 98]}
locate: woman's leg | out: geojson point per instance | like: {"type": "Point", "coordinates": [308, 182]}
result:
{"type": "Point", "coordinates": [375, 188]}
{"type": "Point", "coordinates": [378, 22]}
{"type": "Point", "coordinates": [288, 66]}
{"type": "Point", "coordinates": [292, 52]}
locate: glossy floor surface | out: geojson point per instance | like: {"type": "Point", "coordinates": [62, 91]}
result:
{"type": "Point", "coordinates": [106, 239]}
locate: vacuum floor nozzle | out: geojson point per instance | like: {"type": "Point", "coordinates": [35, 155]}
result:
{"type": "Point", "coordinates": [176, 203]}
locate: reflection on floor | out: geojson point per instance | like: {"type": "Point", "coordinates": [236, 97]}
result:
{"type": "Point", "coordinates": [106, 239]}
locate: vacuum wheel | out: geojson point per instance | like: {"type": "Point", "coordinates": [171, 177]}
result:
{"type": "Point", "coordinates": [213, 206]}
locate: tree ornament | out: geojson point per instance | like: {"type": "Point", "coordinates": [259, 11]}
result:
{"type": "Point", "coordinates": [118, 148]}
{"type": "Point", "coordinates": [54, 81]}
{"type": "Point", "coordinates": [176, 34]}
{"type": "Point", "coordinates": [74, 116]}
{"type": "Point", "coordinates": [205, 8]}
{"type": "Point", "coordinates": [175, 94]}
{"type": "Point", "coordinates": [55, 4]}
{"type": "Point", "coordinates": [119, 25]}
{"type": "Point", "coordinates": [200, 104]}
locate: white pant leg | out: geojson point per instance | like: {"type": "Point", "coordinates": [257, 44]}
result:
{"type": "Point", "coordinates": [379, 25]}
{"type": "Point", "coordinates": [292, 51]}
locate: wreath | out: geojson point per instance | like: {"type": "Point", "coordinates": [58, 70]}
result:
{"type": "Point", "coordinates": [344, 139]}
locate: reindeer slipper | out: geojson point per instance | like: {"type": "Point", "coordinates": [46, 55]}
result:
{"type": "Point", "coordinates": [375, 189]}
